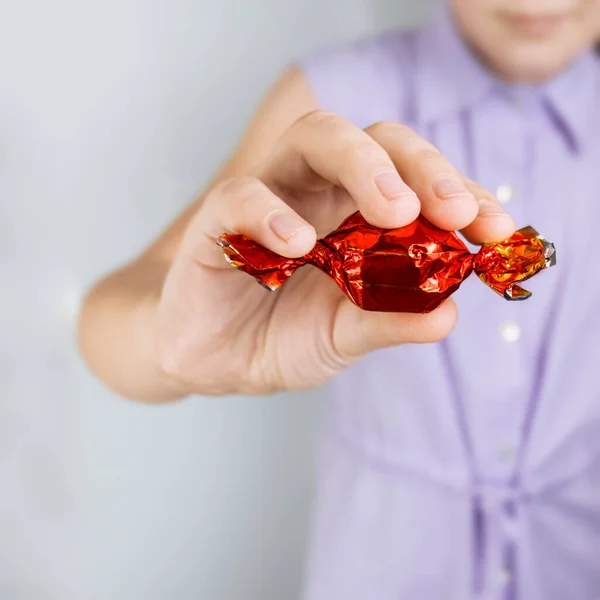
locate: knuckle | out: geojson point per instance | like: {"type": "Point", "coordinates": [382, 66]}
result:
{"type": "Point", "coordinates": [358, 153]}
{"type": "Point", "coordinates": [318, 118]}
{"type": "Point", "coordinates": [390, 132]}
{"type": "Point", "coordinates": [250, 198]}
{"type": "Point", "coordinates": [389, 129]}
{"type": "Point", "coordinates": [238, 200]}
{"type": "Point", "coordinates": [243, 194]}
{"type": "Point", "coordinates": [236, 187]}
{"type": "Point", "coordinates": [429, 155]}
{"type": "Point", "coordinates": [379, 128]}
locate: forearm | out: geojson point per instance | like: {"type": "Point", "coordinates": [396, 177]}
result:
{"type": "Point", "coordinates": [117, 333]}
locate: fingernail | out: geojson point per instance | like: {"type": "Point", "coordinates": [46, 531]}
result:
{"type": "Point", "coordinates": [447, 186]}
{"type": "Point", "coordinates": [489, 208]}
{"type": "Point", "coordinates": [391, 185]}
{"type": "Point", "coordinates": [285, 225]}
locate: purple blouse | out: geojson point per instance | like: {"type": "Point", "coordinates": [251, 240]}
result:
{"type": "Point", "coordinates": [470, 469]}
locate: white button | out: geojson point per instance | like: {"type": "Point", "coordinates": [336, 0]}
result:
{"type": "Point", "coordinates": [510, 331]}
{"type": "Point", "coordinates": [505, 193]}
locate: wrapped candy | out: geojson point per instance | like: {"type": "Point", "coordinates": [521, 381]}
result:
{"type": "Point", "coordinates": [409, 269]}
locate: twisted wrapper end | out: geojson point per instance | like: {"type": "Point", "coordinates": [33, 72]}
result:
{"type": "Point", "coordinates": [502, 266]}
{"type": "Point", "coordinates": [269, 269]}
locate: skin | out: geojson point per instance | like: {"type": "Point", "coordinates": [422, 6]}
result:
{"type": "Point", "coordinates": [178, 320]}
{"type": "Point", "coordinates": [528, 41]}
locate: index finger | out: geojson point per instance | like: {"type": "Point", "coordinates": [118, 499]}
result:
{"type": "Point", "coordinates": [322, 149]}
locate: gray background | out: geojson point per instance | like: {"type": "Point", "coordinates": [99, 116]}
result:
{"type": "Point", "coordinates": [113, 115]}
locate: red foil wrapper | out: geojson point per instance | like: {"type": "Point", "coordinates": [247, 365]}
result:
{"type": "Point", "coordinates": [408, 269]}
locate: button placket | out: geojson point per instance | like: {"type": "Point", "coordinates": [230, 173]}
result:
{"type": "Point", "coordinates": [499, 506]}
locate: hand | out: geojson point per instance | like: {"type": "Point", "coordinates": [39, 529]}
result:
{"type": "Point", "coordinates": [218, 332]}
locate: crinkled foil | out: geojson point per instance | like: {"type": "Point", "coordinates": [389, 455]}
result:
{"type": "Point", "coordinates": [408, 269]}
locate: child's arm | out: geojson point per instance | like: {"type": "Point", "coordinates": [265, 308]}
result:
{"type": "Point", "coordinates": [179, 320]}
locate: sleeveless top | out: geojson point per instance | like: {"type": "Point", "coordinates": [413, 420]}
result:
{"type": "Point", "coordinates": [470, 469]}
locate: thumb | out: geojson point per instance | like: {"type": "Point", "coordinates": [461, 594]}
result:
{"type": "Point", "coordinates": [357, 332]}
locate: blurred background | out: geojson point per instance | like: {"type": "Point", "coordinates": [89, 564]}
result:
{"type": "Point", "coordinates": [113, 116]}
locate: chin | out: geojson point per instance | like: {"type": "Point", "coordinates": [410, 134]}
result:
{"type": "Point", "coordinates": [533, 66]}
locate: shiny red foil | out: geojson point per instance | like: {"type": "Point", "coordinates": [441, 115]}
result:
{"type": "Point", "coordinates": [408, 269]}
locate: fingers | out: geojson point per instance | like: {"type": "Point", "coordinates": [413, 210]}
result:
{"type": "Point", "coordinates": [492, 224]}
{"type": "Point", "coordinates": [448, 199]}
{"type": "Point", "coordinates": [323, 149]}
{"type": "Point", "coordinates": [247, 206]}
{"type": "Point", "coordinates": [380, 168]}
{"type": "Point", "coordinates": [391, 173]}
{"type": "Point", "coordinates": [358, 332]}
{"type": "Point", "coordinates": [445, 199]}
